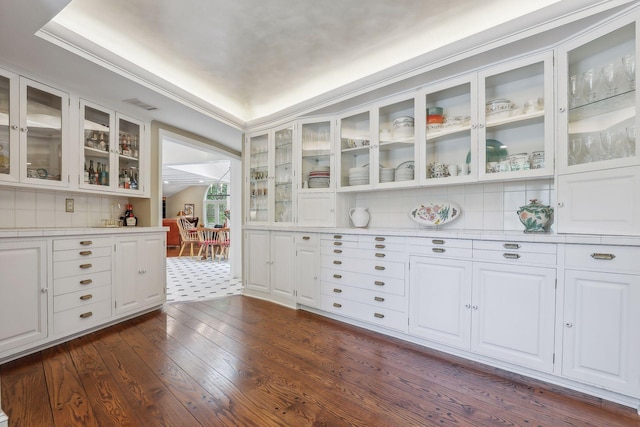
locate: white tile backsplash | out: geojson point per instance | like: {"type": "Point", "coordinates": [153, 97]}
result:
{"type": "Point", "coordinates": [490, 206]}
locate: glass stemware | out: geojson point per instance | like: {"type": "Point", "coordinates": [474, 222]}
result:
{"type": "Point", "coordinates": [609, 79]}
{"type": "Point", "coordinates": [590, 147]}
{"type": "Point", "coordinates": [575, 148]}
{"type": "Point", "coordinates": [575, 90]}
{"type": "Point", "coordinates": [629, 64]}
{"type": "Point", "coordinates": [590, 83]}
{"type": "Point", "coordinates": [609, 141]}
{"type": "Point", "coordinates": [630, 142]}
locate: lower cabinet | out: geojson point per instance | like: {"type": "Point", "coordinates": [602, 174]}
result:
{"type": "Point", "coordinates": [269, 266]}
{"type": "Point", "coordinates": [23, 294]}
{"type": "Point", "coordinates": [601, 343]}
{"type": "Point", "coordinates": [140, 265]}
{"type": "Point", "coordinates": [307, 270]}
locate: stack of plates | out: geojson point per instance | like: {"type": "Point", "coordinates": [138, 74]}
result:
{"type": "Point", "coordinates": [359, 176]}
{"type": "Point", "coordinates": [403, 127]}
{"type": "Point", "coordinates": [319, 177]}
{"type": "Point", "coordinates": [405, 171]}
{"type": "Point", "coordinates": [387, 174]}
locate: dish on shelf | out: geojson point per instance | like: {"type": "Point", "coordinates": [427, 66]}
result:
{"type": "Point", "coordinates": [355, 142]}
{"type": "Point", "coordinates": [495, 151]}
{"type": "Point", "coordinates": [409, 164]}
{"type": "Point", "coordinates": [435, 213]}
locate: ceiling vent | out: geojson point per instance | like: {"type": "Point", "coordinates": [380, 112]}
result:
{"type": "Point", "coordinates": [141, 104]}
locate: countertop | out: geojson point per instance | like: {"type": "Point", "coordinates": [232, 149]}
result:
{"type": "Point", "coordinates": [65, 232]}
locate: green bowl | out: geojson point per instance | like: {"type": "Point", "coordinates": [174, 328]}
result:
{"type": "Point", "coordinates": [496, 151]}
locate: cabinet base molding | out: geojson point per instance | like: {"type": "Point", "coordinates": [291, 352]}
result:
{"type": "Point", "coordinates": [269, 298]}
{"type": "Point", "coordinates": [591, 391]}
{"type": "Point", "coordinates": [4, 420]}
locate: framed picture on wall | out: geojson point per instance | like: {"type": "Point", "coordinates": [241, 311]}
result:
{"type": "Point", "coordinates": [188, 209]}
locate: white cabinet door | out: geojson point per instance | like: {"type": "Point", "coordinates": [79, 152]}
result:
{"type": "Point", "coordinates": [440, 295]}
{"type": "Point", "coordinates": [601, 344]}
{"type": "Point", "coordinates": [9, 129]}
{"type": "Point", "coordinates": [282, 263]}
{"type": "Point", "coordinates": [512, 314]}
{"type": "Point", "coordinates": [153, 260]}
{"type": "Point", "coordinates": [600, 202]}
{"type": "Point", "coordinates": [257, 267]}
{"type": "Point", "coordinates": [23, 293]}
{"type": "Point", "coordinates": [127, 273]}
{"type": "Point", "coordinates": [317, 209]}
{"type": "Point", "coordinates": [307, 270]}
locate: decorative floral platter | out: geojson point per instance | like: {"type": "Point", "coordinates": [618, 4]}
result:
{"type": "Point", "coordinates": [435, 213]}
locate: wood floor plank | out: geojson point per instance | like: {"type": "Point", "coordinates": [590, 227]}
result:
{"type": "Point", "coordinates": [69, 400]}
{"type": "Point", "coordinates": [24, 397]}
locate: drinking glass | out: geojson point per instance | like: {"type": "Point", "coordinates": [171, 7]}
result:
{"type": "Point", "coordinates": [575, 90]}
{"type": "Point", "coordinates": [630, 142]}
{"type": "Point", "coordinates": [608, 140]}
{"type": "Point", "coordinates": [609, 79]}
{"type": "Point", "coordinates": [575, 150]}
{"type": "Point", "coordinates": [629, 64]}
{"type": "Point", "coordinates": [590, 148]}
{"type": "Point", "coordinates": [589, 86]}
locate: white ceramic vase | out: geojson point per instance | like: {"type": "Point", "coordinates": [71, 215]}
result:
{"type": "Point", "coordinates": [359, 217]}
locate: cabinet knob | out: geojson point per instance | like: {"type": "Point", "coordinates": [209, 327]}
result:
{"type": "Point", "coordinates": [378, 315]}
{"type": "Point", "coordinates": [86, 297]}
{"type": "Point", "coordinates": [337, 276]}
{"type": "Point", "coordinates": [475, 307]}
{"type": "Point", "coordinates": [85, 253]}
{"type": "Point", "coordinates": [606, 257]}
{"type": "Point", "coordinates": [378, 299]}
{"type": "Point", "coordinates": [568, 325]}
{"type": "Point", "coordinates": [560, 204]}
{"type": "Point", "coordinates": [467, 306]}
{"type": "Point", "coordinates": [44, 290]}
{"type": "Point", "coordinates": [378, 283]}
{"type": "Point", "coordinates": [305, 237]}
{"type": "Point", "coordinates": [84, 266]}
{"type": "Point", "coordinates": [86, 282]}
{"type": "Point", "coordinates": [562, 109]}
{"type": "Point", "coordinates": [337, 290]}
{"type": "Point", "coordinates": [481, 125]}
{"type": "Point", "coordinates": [336, 305]}
{"type": "Point", "coordinates": [87, 314]}
{"type": "Point", "coordinates": [14, 127]}
{"type": "Point", "coordinates": [25, 129]}
{"type": "Point", "coordinates": [379, 255]}
{"type": "Point", "coordinates": [379, 267]}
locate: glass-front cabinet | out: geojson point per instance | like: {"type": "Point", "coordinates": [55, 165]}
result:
{"type": "Point", "coordinates": [315, 156]}
{"type": "Point", "coordinates": [9, 137]}
{"type": "Point", "coordinates": [354, 169]}
{"type": "Point", "coordinates": [270, 178]}
{"type": "Point", "coordinates": [450, 120]}
{"type": "Point", "coordinates": [44, 113]}
{"type": "Point", "coordinates": [395, 150]}
{"type": "Point", "coordinates": [111, 150]}
{"type": "Point", "coordinates": [516, 134]}
{"type": "Point", "coordinates": [598, 101]}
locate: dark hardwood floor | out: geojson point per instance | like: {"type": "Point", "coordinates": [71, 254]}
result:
{"type": "Point", "coordinates": [239, 361]}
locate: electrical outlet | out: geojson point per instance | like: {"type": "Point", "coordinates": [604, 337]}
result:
{"type": "Point", "coordinates": [68, 207]}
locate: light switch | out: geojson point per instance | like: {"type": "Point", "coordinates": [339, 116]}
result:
{"type": "Point", "coordinates": [68, 205]}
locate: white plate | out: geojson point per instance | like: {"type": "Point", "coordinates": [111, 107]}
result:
{"type": "Point", "coordinates": [435, 213]}
{"type": "Point", "coordinates": [406, 165]}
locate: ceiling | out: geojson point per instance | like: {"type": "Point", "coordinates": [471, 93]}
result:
{"type": "Point", "coordinates": [213, 67]}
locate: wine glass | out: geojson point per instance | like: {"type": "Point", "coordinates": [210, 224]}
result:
{"type": "Point", "coordinates": [590, 148]}
{"type": "Point", "coordinates": [575, 148]}
{"type": "Point", "coordinates": [630, 145]}
{"type": "Point", "coordinates": [609, 79]}
{"type": "Point", "coordinates": [629, 64]}
{"type": "Point", "coordinates": [590, 83]}
{"type": "Point", "coordinates": [575, 90]}
{"type": "Point", "coordinates": [608, 140]}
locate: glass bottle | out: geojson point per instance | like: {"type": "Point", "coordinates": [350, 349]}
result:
{"type": "Point", "coordinates": [92, 173]}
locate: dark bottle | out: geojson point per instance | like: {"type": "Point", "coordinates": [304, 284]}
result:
{"type": "Point", "coordinates": [92, 173]}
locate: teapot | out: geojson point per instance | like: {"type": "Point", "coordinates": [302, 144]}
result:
{"type": "Point", "coordinates": [359, 217]}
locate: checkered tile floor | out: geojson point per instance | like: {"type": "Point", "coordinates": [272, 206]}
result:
{"type": "Point", "coordinates": [190, 279]}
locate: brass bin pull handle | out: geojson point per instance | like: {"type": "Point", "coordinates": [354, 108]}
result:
{"type": "Point", "coordinates": [335, 304]}
{"type": "Point", "coordinates": [337, 276]}
{"type": "Point", "coordinates": [86, 282]}
{"type": "Point", "coordinates": [438, 250]}
{"type": "Point", "coordinates": [511, 256]}
{"type": "Point", "coordinates": [379, 267]}
{"type": "Point", "coordinates": [378, 283]}
{"type": "Point", "coordinates": [86, 265]}
{"type": "Point", "coordinates": [437, 242]}
{"type": "Point", "coordinates": [511, 246]}
{"type": "Point", "coordinates": [380, 239]}
{"type": "Point", "coordinates": [606, 257]}
{"type": "Point", "coordinates": [87, 314]}
{"type": "Point", "coordinates": [380, 246]}
{"type": "Point", "coordinates": [337, 236]}
{"type": "Point", "coordinates": [305, 237]}
{"type": "Point", "coordinates": [337, 243]}
{"type": "Point", "coordinates": [380, 255]}
{"type": "Point", "coordinates": [378, 315]}
{"type": "Point", "coordinates": [86, 297]}
{"type": "Point", "coordinates": [337, 262]}
{"type": "Point", "coordinates": [337, 291]}
{"type": "Point", "coordinates": [86, 242]}
{"type": "Point", "coordinates": [379, 299]}
{"type": "Point", "coordinates": [337, 251]}
{"type": "Point", "coordinates": [85, 253]}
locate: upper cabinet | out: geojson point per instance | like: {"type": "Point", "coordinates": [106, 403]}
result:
{"type": "Point", "coordinates": [597, 99]}
{"type": "Point", "coordinates": [315, 157]}
{"type": "Point", "coordinates": [33, 132]}
{"type": "Point", "coordinates": [112, 151]}
{"type": "Point", "coordinates": [270, 178]}
{"type": "Point", "coordinates": [355, 155]}
{"type": "Point", "coordinates": [515, 119]}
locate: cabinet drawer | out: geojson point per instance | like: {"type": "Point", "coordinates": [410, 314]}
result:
{"type": "Point", "coordinates": [81, 298]}
{"type": "Point", "coordinates": [82, 282]}
{"type": "Point", "coordinates": [363, 254]}
{"type": "Point", "coordinates": [80, 318]}
{"type": "Point", "coordinates": [339, 243]}
{"type": "Point", "coordinates": [307, 239]}
{"type": "Point", "coordinates": [373, 267]}
{"type": "Point", "coordinates": [375, 315]}
{"type": "Point", "coordinates": [365, 281]}
{"type": "Point", "coordinates": [75, 254]}
{"type": "Point", "coordinates": [516, 247]}
{"type": "Point", "coordinates": [381, 240]}
{"type": "Point", "coordinates": [80, 267]}
{"type": "Point", "coordinates": [431, 242]}
{"type": "Point", "coordinates": [603, 257]}
{"type": "Point", "coordinates": [338, 236]}
{"type": "Point", "coordinates": [441, 251]}
{"type": "Point", "coordinates": [366, 296]}
{"type": "Point", "coordinates": [81, 243]}
{"type": "Point", "coordinates": [514, 257]}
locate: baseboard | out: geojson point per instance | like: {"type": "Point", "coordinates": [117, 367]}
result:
{"type": "Point", "coordinates": [4, 420]}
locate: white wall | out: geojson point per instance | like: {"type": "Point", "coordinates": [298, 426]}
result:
{"type": "Point", "coordinates": [490, 206]}
{"type": "Point", "coordinates": [192, 195]}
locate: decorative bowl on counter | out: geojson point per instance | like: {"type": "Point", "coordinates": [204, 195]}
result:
{"type": "Point", "coordinates": [535, 217]}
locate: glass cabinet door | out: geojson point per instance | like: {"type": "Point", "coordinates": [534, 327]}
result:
{"type": "Point", "coordinates": [44, 113]}
{"type": "Point", "coordinates": [450, 136]}
{"type": "Point", "coordinates": [283, 191]}
{"type": "Point", "coordinates": [97, 145]}
{"type": "Point", "coordinates": [516, 120]}
{"type": "Point", "coordinates": [8, 127]}
{"type": "Point", "coordinates": [355, 153]}
{"type": "Point", "coordinates": [396, 147]}
{"type": "Point", "coordinates": [315, 155]}
{"type": "Point", "coordinates": [601, 100]}
{"type": "Point", "coordinates": [130, 137]}
{"type": "Point", "coordinates": [258, 155]}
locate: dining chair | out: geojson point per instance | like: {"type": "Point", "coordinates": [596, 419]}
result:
{"type": "Point", "coordinates": [223, 244]}
{"type": "Point", "coordinates": [188, 235]}
{"type": "Point", "coordinates": [207, 239]}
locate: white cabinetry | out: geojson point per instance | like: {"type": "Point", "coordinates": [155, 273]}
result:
{"type": "Point", "coordinates": [140, 272]}
{"type": "Point", "coordinates": [269, 266]}
{"type": "Point", "coordinates": [307, 269]}
{"type": "Point", "coordinates": [597, 145]}
{"type": "Point", "coordinates": [23, 294]}
{"type": "Point", "coordinates": [601, 345]}
{"type": "Point", "coordinates": [81, 283]}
